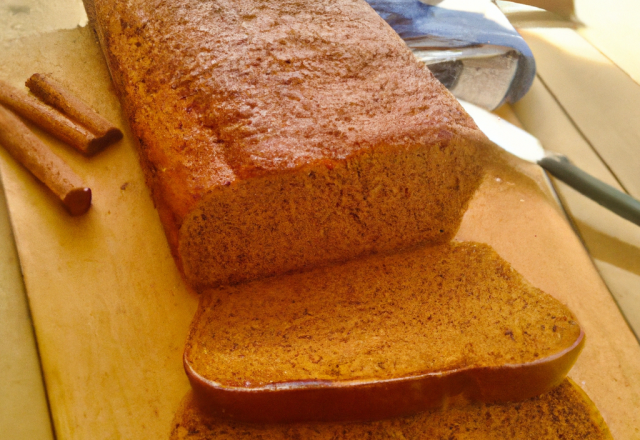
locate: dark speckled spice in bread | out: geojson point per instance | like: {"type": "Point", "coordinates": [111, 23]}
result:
{"type": "Point", "coordinates": [283, 135]}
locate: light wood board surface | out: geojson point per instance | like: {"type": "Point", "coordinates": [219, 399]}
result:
{"type": "Point", "coordinates": [111, 312]}
{"type": "Point", "coordinates": [614, 28]}
{"type": "Point", "coordinates": [108, 305]}
{"type": "Point", "coordinates": [583, 105]}
{"type": "Point", "coordinates": [602, 100]}
{"type": "Point", "coordinates": [23, 406]}
{"type": "Point", "coordinates": [20, 18]}
{"type": "Point", "coordinates": [613, 242]}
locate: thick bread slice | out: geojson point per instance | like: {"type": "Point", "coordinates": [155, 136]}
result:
{"type": "Point", "coordinates": [279, 135]}
{"type": "Point", "coordinates": [563, 413]}
{"type": "Point", "coordinates": [378, 337]}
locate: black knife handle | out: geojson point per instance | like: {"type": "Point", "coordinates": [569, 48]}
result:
{"type": "Point", "coordinates": [614, 200]}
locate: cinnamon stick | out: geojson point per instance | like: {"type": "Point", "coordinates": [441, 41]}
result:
{"type": "Point", "coordinates": [49, 168]}
{"type": "Point", "coordinates": [53, 93]}
{"type": "Point", "coordinates": [50, 120]}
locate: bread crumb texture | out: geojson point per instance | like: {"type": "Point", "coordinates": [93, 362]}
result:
{"type": "Point", "coordinates": [563, 413]}
{"type": "Point", "coordinates": [280, 135]}
{"type": "Point", "coordinates": [431, 309]}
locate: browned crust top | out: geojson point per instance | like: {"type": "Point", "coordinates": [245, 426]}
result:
{"type": "Point", "coordinates": [252, 87]}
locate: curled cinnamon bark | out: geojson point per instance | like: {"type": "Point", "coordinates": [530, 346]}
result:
{"type": "Point", "coordinates": [53, 93]}
{"type": "Point", "coordinates": [49, 168]}
{"type": "Point", "coordinates": [50, 120]}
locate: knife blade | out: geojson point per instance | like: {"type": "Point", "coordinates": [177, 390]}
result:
{"type": "Point", "coordinates": [522, 144]}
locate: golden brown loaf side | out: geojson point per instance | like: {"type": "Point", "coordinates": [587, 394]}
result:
{"type": "Point", "coordinates": [396, 333]}
{"type": "Point", "coordinates": [563, 413]}
{"type": "Point", "coordinates": [281, 135]}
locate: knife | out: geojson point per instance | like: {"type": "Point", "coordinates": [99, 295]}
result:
{"type": "Point", "coordinates": [520, 143]}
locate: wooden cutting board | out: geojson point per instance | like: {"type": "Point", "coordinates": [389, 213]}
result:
{"type": "Point", "coordinates": [111, 312]}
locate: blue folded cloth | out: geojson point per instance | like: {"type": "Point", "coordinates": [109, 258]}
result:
{"type": "Point", "coordinates": [451, 24]}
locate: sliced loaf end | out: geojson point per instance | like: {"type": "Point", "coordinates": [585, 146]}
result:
{"type": "Point", "coordinates": [380, 200]}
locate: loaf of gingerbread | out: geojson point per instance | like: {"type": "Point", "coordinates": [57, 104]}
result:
{"type": "Point", "coordinates": [278, 136]}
